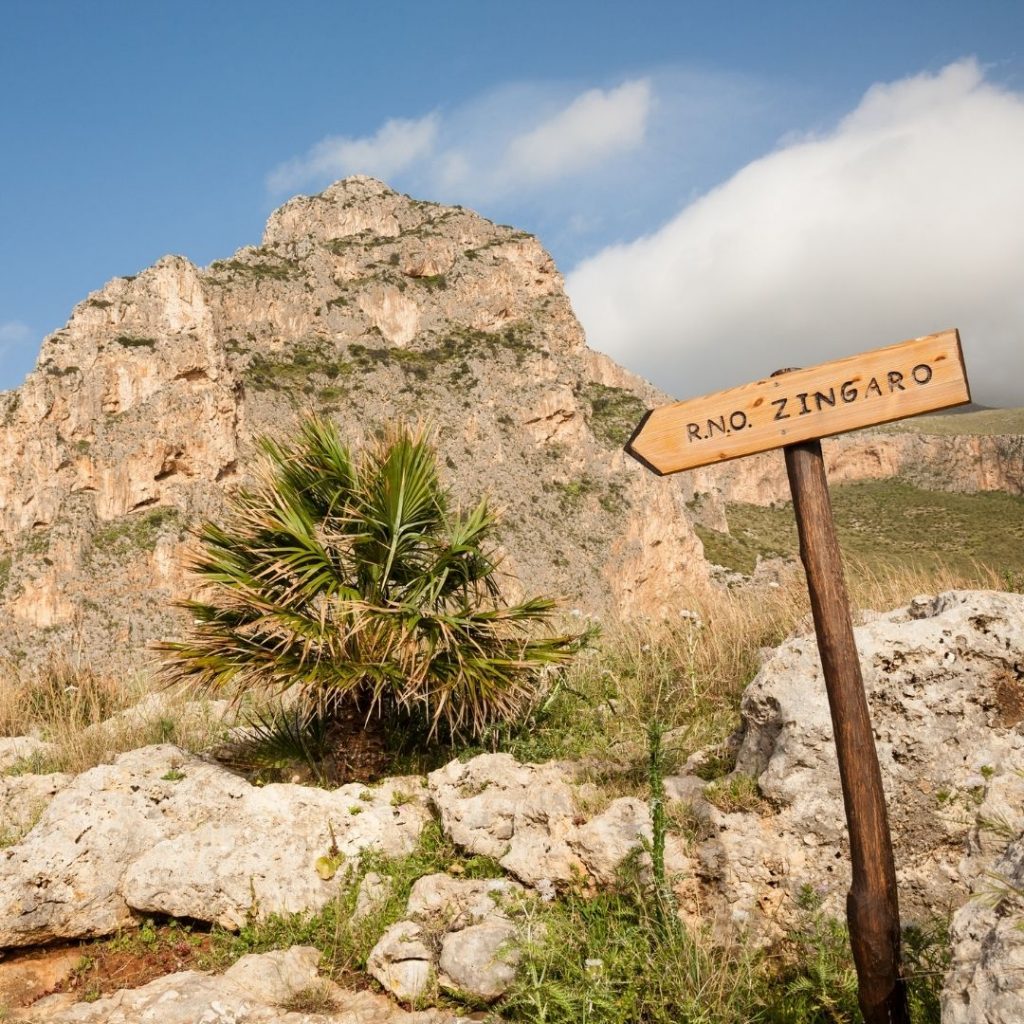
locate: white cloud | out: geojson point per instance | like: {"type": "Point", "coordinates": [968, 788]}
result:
{"type": "Point", "coordinates": [513, 140]}
{"type": "Point", "coordinates": [906, 219]}
{"type": "Point", "coordinates": [396, 145]}
{"type": "Point", "coordinates": [594, 126]}
{"type": "Point", "coordinates": [524, 139]}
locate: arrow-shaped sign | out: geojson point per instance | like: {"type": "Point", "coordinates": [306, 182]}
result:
{"type": "Point", "coordinates": [921, 375]}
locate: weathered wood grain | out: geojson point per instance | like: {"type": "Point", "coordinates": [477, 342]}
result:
{"type": "Point", "coordinates": [872, 907]}
{"type": "Point", "coordinates": [920, 375]}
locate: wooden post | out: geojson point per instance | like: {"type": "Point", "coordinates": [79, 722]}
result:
{"type": "Point", "coordinates": [793, 410]}
{"type": "Point", "coordinates": [872, 907]}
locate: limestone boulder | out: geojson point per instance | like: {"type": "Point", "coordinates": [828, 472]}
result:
{"type": "Point", "coordinates": [944, 682]}
{"type": "Point", "coordinates": [608, 838]}
{"type": "Point", "coordinates": [459, 935]}
{"type": "Point", "coordinates": [480, 959]}
{"type": "Point", "coordinates": [985, 983]}
{"type": "Point", "coordinates": [403, 961]}
{"type": "Point", "coordinates": [459, 902]}
{"type": "Point", "coordinates": [263, 857]}
{"type": "Point", "coordinates": [162, 831]}
{"type": "Point", "coordinates": [528, 818]}
{"type": "Point", "coordinates": [986, 978]}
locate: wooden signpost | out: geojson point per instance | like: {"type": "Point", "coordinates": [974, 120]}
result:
{"type": "Point", "coordinates": [792, 410]}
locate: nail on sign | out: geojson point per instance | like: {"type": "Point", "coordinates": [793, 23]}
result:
{"type": "Point", "coordinates": [920, 375]}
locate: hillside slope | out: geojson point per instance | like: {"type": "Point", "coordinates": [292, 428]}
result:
{"type": "Point", "coordinates": [981, 451]}
{"type": "Point", "coordinates": [359, 302]}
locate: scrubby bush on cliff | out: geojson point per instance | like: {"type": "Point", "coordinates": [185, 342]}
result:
{"type": "Point", "coordinates": [349, 578]}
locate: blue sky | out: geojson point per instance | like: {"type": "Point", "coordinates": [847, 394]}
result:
{"type": "Point", "coordinates": [629, 137]}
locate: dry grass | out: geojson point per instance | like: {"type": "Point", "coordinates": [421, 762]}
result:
{"type": "Point", "coordinates": [88, 719]}
{"type": "Point", "coordinates": [688, 675]}
{"type": "Point", "coordinates": [882, 588]}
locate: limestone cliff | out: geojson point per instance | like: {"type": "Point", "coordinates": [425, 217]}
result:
{"type": "Point", "coordinates": [963, 462]}
{"type": "Point", "coordinates": [370, 306]}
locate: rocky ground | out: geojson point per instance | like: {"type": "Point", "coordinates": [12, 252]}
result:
{"type": "Point", "coordinates": [162, 832]}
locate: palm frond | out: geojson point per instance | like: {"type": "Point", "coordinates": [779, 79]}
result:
{"type": "Point", "coordinates": [348, 579]}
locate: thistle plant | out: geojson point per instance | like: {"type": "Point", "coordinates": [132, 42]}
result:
{"type": "Point", "coordinates": [349, 577]}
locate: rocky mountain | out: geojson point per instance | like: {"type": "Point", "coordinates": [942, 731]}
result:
{"type": "Point", "coordinates": [373, 307]}
{"type": "Point", "coordinates": [359, 302]}
{"type": "Point", "coordinates": [933, 459]}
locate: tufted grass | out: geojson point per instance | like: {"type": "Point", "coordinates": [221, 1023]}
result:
{"type": "Point", "coordinates": [83, 715]}
{"type": "Point", "coordinates": [689, 674]}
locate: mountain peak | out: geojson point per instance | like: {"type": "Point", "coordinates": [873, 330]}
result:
{"type": "Point", "coordinates": [352, 206]}
{"type": "Point", "coordinates": [363, 304]}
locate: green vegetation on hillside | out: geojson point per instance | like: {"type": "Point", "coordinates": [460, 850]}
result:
{"type": "Point", "coordinates": [294, 368]}
{"type": "Point", "coordinates": [614, 412]}
{"type": "Point", "coordinates": [136, 531]}
{"type": "Point", "coordinates": [888, 525]}
{"type": "Point", "coordinates": [267, 266]}
{"type": "Point", "coordinates": [298, 366]}
{"type": "Point", "coordinates": [985, 421]}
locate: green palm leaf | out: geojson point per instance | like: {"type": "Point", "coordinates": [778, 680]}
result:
{"type": "Point", "coordinates": [348, 578]}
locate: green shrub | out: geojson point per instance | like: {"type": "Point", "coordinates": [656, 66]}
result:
{"type": "Point", "coordinates": [350, 579]}
{"type": "Point", "coordinates": [266, 266]}
{"type": "Point", "coordinates": [136, 531]}
{"type": "Point", "coordinates": [736, 792]}
{"type": "Point", "coordinates": [135, 341]}
{"type": "Point", "coordinates": [614, 413]}
{"type": "Point", "coordinates": [817, 980]}
{"type": "Point", "coordinates": [607, 958]}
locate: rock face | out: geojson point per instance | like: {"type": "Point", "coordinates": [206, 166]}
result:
{"type": "Point", "coordinates": [161, 831]}
{"type": "Point", "coordinates": [265, 988]}
{"type": "Point", "coordinates": [944, 681]}
{"type": "Point", "coordinates": [364, 304]}
{"type": "Point", "coordinates": [985, 983]}
{"type": "Point", "coordinates": [938, 462]}
{"type": "Point", "coordinates": [527, 818]}
{"type": "Point", "coordinates": [459, 935]}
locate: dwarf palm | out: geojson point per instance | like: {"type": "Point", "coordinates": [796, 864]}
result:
{"type": "Point", "coordinates": [350, 578]}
